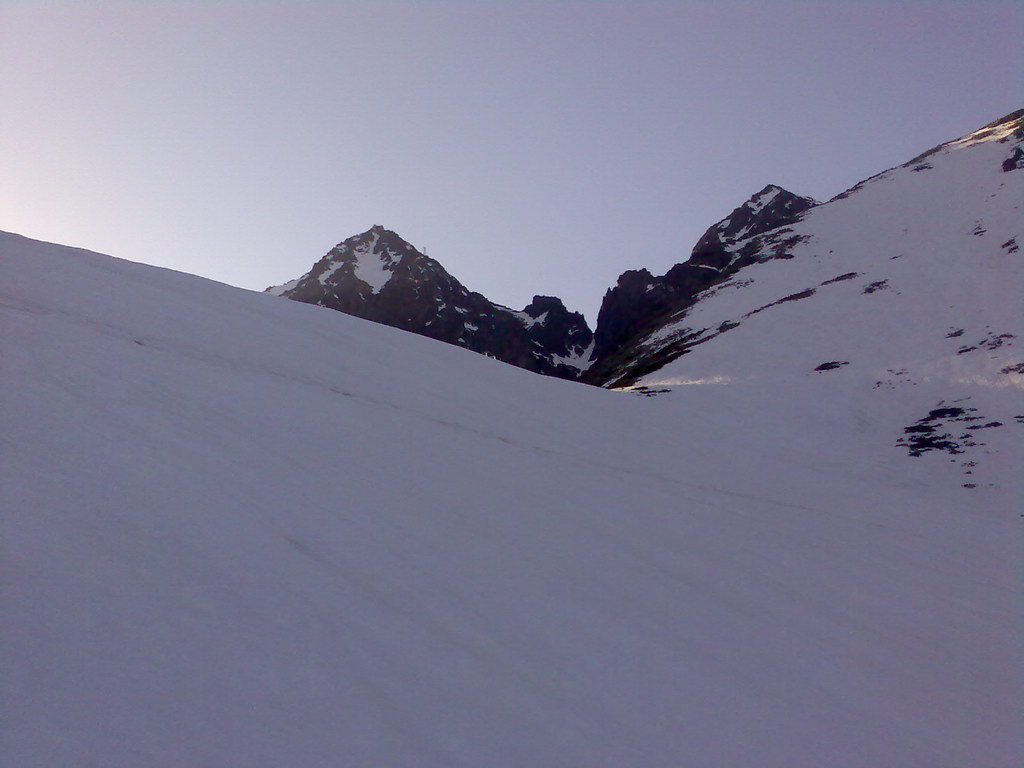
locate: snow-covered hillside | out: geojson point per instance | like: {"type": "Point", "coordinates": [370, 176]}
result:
{"type": "Point", "coordinates": [239, 531]}
{"type": "Point", "coordinates": [904, 292]}
{"type": "Point", "coordinates": [913, 275]}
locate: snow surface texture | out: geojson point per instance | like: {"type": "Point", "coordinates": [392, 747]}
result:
{"type": "Point", "coordinates": [239, 531]}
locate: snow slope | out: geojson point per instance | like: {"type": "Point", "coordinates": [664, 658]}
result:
{"type": "Point", "coordinates": [239, 531]}
{"type": "Point", "coordinates": [904, 270]}
{"type": "Point", "coordinates": [906, 290]}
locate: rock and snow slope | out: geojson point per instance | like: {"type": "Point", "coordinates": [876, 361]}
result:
{"type": "Point", "coordinates": [379, 276]}
{"type": "Point", "coordinates": [238, 531]}
{"type": "Point", "coordinates": [932, 202]}
{"type": "Point", "coordinates": [639, 301]}
{"type": "Point", "coordinates": [913, 275]}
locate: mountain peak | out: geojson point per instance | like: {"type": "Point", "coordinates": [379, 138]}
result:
{"type": "Point", "coordinates": [774, 194]}
{"type": "Point", "coordinates": [769, 189]}
{"type": "Point", "coordinates": [379, 276]}
{"type": "Point", "coordinates": [541, 304]}
{"type": "Point", "coordinates": [638, 299]}
{"type": "Point", "coordinates": [769, 208]}
{"type": "Point", "coordinates": [374, 233]}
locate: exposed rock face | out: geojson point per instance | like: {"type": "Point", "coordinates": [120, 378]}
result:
{"type": "Point", "coordinates": [564, 336]}
{"type": "Point", "coordinates": [639, 301]}
{"type": "Point", "coordinates": [1015, 161]}
{"type": "Point", "coordinates": [379, 276]}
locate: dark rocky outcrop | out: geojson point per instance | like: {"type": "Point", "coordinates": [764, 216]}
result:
{"type": "Point", "coordinates": [1015, 161]}
{"type": "Point", "coordinates": [770, 208]}
{"type": "Point", "coordinates": [640, 302]}
{"type": "Point", "coordinates": [563, 335]}
{"type": "Point", "coordinates": [379, 276]}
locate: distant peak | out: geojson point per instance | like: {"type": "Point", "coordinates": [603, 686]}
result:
{"type": "Point", "coordinates": [542, 304]}
{"type": "Point", "coordinates": [771, 207]}
{"type": "Point", "coordinates": [634, 277]}
{"type": "Point", "coordinates": [377, 231]}
{"type": "Point", "coordinates": [772, 192]}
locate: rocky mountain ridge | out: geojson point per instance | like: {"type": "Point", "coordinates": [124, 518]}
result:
{"type": "Point", "coordinates": [379, 276]}
{"type": "Point", "coordinates": [878, 246]}
{"type": "Point", "coordinates": [639, 301]}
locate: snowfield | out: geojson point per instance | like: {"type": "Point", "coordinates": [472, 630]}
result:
{"type": "Point", "coordinates": [240, 531]}
{"type": "Point", "coordinates": [244, 531]}
{"type": "Point", "coordinates": [922, 264]}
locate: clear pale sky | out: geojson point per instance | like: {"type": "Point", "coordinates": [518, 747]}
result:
{"type": "Point", "coordinates": [538, 147]}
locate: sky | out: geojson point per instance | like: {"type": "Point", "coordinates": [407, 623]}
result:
{"type": "Point", "coordinates": [530, 147]}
